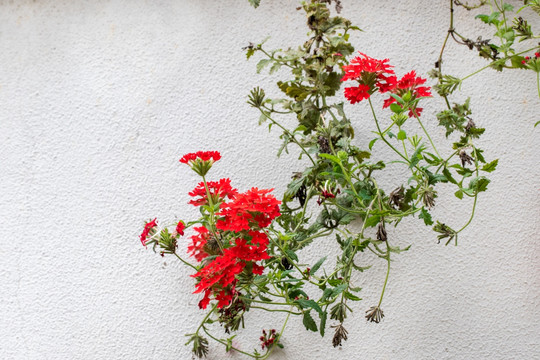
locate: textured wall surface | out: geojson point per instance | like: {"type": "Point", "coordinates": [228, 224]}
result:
{"type": "Point", "coordinates": [99, 99]}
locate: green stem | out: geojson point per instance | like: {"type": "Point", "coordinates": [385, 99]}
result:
{"type": "Point", "coordinates": [278, 338]}
{"type": "Point", "coordinates": [472, 215]}
{"type": "Point", "coordinates": [387, 273]}
{"type": "Point", "coordinates": [382, 135]}
{"type": "Point", "coordinates": [185, 262]}
{"type": "Point", "coordinates": [275, 310]}
{"type": "Point", "coordinates": [232, 347]}
{"type": "Point", "coordinates": [288, 133]}
{"type": "Point", "coordinates": [427, 134]}
{"type": "Point", "coordinates": [489, 65]}
{"type": "Point", "coordinates": [212, 219]}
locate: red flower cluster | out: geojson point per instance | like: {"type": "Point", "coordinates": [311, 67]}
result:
{"type": "Point", "coordinates": [219, 276]}
{"type": "Point", "coordinates": [147, 227]}
{"type": "Point", "coordinates": [252, 209]}
{"type": "Point", "coordinates": [245, 214]}
{"type": "Point", "coordinates": [410, 82]}
{"type": "Point", "coordinates": [202, 155]}
{"type": "Point", "coordinates": [201, 161]}
{"type": "Point", "coordinates": [198, 245]}
{"type": "Point", "coordinates": [371, 74]}
{"type": "Point", "coordinates": [180, 228]}
{"type": "Point", "coordinates": [219, 190]}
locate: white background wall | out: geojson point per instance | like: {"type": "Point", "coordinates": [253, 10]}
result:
{"type": "Point", "coordinates": [98, 101]}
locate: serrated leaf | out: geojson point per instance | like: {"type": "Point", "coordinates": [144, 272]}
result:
{"type": "Point", "coordinates": [338, 289]}
{"type": "Point", "coordinates": [292, 255]}
{"type": "Point", "coordinates": [491, 166]}
{"type": "Point", "coordinates": [372, 221]}
{"type": "Point", "coordinates": [479, 184]}
{"type": "Point", "coordinates": [330, 157]}
{"type": "Point", "coordinates": [308, 321]}
{"type": "Point", "coordinates": [322, 326]}
{"type": "Point", "coordinates": [426, 216]}
{"type": "Point", "coordinates": [449, 176]}
{"type": "Point", "coordinates": [350, 296]}
{"type": "Point", "coordinates": [317, 266]}
{"type": "Point", "coordinates": [275, 67]}
{"type": "Point", "coordinates": [309, 304]}
{"type": "Point", "coordinates": [262, 64]}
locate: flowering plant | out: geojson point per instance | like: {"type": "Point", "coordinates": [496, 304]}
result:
{"type": "Point", "coordinates": [247, 247]}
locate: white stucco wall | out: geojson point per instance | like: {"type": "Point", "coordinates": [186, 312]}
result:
{"type": "Point", "coordinates": [99, 99]}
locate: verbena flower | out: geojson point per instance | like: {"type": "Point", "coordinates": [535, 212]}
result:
{"type": "Point", "coordinates": [219, 191]}
{"type": "Point", "coordinates": [180, 228]}
{"type": "Point", "coordinates": [219, 275]}
{"type": "Point", "coordinates": [253, 209]}
{"type": "Point", "coordinates": [201, 161]}
{"type": "Point", "coordinates": [371, 75]}
{"type": "Point", "coordinates": [147, 227]}
{"type": "Point", "coordinates": [410, 84]}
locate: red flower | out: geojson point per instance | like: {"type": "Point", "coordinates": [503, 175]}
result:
{"type": "Point", "coordinates": [147, 227]}
{"type": "Point", "coordinates": [219, 190]}
{"type": "Point", "coordinates": [198, 243]}
{"type": "Point", "coordinates": [410, 83]}
{"type": "Point", "coordinates": [363, 65]}
{"type": "Point", "coordinates": [357, 94]}
{"type": "Point", "coordinates": [201, 161]}
{"type": "Point", "coordinates": [371, 74]}
{"type": "Point", "coordinates": [537, 54]}
{"type": "Point", "coordinates": [254, 208]}
{"type": "Point", "coordinates": [202, 155]}
{"type": "Point", "coordinates": [180, 228]}
{"type": "Point", "coordinates": [219, 276]}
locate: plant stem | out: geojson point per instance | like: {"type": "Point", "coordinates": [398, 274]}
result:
{"type": "Point", "coordinates": [382, 135]}
{"type": "Point", "coordinates": [288, 133]}
{"type": "Point", "coordinates": [212, 219]}
{"type": "Point", "coordinates": [427, 134]}
{"type": "Point", "coordinates": [387, 273]}
{"type": "Point", "coordinates": [185, 262]}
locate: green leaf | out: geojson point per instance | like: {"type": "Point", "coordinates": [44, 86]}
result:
{"type": "Point", "coordinates": [396, 108]}
{"type": "Point", "coordinates": [323, 317]}
{"type": "Point", "coordinates": [507, 7]}
{"type": "Point", "coordinates": [491, 166]}
{"type": "Point", "coordinates": [426, 216]}
{"type": "Point", "coordinates": [398, 98]}
{"type": "Point", "coordinates": [459, 194]}
{"type": "Point", "coordinates": [262, 64]}
{"type": "Point", "coordinates": [292, 255]}
{"type": "Point", "coordinates": [317, 265]}
{"type": "Point", "coordinates": [330, 157]}
{"type": "Point", "coordinates": [372, 221]}
{"type": "Point", "coordinates": [479, 184]}
{"type": "Point", "coordinates": [308, 321]}
{"type": "Point", "coordinates": [350, 296]}
{"type": "Point", "coordinates": [309, 304]}
{"type": "Point", "coordinates": [416, 156]}
{"type": "Point", "coordinates": [449, 176]}
{"type": "Point", "coordinates": [402, 135]}
{"type": "Point", "coordinates": [255, 3]}
{"type": "Point", "coordinates": [372, 142]}
{"type": "Point", "coordinates": [338, 289]}
{"type": "Point", "coordinates": [275, 67]}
